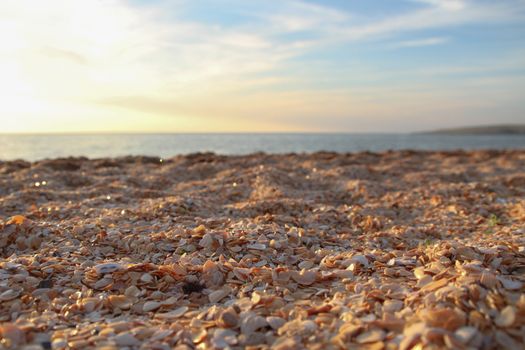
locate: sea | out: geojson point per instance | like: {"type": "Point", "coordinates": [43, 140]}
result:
{"type": "Point", "coordinates": [39, 146]}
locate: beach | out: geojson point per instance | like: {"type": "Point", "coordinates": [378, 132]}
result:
{"type": "Point", "coordinates": [388, 250]}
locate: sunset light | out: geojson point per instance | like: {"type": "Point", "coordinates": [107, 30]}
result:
{"type": "Point", "coordinates": [179, 66]}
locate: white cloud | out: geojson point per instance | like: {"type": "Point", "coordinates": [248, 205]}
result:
{"type": "Point", "coordinates": [86, 57]}
{"type": "Point", "coordinates": [450, 5]}
{"type": "Point", "coordinates": [420, 42]}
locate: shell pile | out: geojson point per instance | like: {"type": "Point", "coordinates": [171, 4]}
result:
{"type": "Point", "coordinates": [395, 250]}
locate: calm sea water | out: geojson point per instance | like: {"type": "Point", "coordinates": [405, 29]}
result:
{"type": "Point", "coordinates": [34, 147]}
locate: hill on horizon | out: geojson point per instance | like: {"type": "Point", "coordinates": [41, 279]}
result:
{"type": "Point", "coordinates": [507, 129]}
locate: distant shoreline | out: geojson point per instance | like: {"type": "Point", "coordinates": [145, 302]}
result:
{"type": "Point", "coordinates": [509, 129]}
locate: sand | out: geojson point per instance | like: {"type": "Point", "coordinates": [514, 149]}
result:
{"type": "Point", "coordinates": [409, 250]}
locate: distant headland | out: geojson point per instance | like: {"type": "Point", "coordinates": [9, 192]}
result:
{"type": "Point", "coordinates": [508, 129]}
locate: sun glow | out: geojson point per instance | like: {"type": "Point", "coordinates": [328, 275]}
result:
{"type": "Point", "coordinates": [290, 66]}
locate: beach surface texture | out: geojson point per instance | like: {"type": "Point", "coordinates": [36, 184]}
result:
{"type": "Point", "coordinates": [393, 250]}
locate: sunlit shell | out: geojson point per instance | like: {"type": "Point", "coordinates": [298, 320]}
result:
{"type": "Point", "coordinates": [506, 317]}
{"type": "Point", "coordinates": [392, 305]}
{"type": "Point", "coordinates": [443, 318]}
{"type": "Point", "coordinates": [13, 333]}
{"type": "Point", "coordinates": [371, 336]}
{"type": "Point", "coordinates": [120, 301]}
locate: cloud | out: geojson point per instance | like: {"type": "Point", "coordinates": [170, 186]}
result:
{"type": "Point", "coordinates": [420, 42]}
{"type": "Point", "coordinates": [449, 5]}
{"type": "Point", "coordinates": [156, 61]}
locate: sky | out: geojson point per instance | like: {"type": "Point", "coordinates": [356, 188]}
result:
{"type": "Point", "coordinates": [260, 65]}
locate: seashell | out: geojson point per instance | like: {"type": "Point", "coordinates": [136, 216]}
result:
{"type": "Point", "coordinates": [146, 278]}
{"type": "Point", "coordinates": [506, 341]}
{"type": "Point", "coordinates": [392, 306]}
{"type": "Point", "coordinates": [14, 334]}
{"type": "Point", "coordinates": [465, 334]}
{"type": "Point", "coordinates": [361, 259]}
{"type": "Point", "coordinates": [200, 336]}
{"type": "Point", "coordinates": [488, 279]}
{"type": "Point", "coordinates": [250, 322]}
{"type": "Point", "coordinates": [411, 335]}
{"type": "Point", "coordinates": [372, 336]}
{"type": "Point", "coordinates": [104, 268]}
{"type": "Point", "coordinates": [120, 301]}
{"type": "Point", "coordinates": [275, 322]}
{"type": "Point", "coordinates": [423, 281]}
{"type": "Point", "coordinates": [447, 318]}
{"type": "Point", "coordinates": [161, 334]}
{"type": "Point", "coordinates": [103, 283]}
{"type": "Point", "coordinates": [304, 277]}
{"type": "Point", "coordinates": [419, 272]}
{"type": "Point", "coordinates": [126, 339]}
{"type": "Point", "coordinates": [206, 241]}
{"type": "Point", "coordinates": [241, 273]}
{"type": "Point", "coordinates": [219, 294]}
{"type": "Point", "coordinates": [510, 284]}
{"type": "Point", "coordinates": [435, 285]}
{"type": "Point", "coordinates": [256, 246]}
{"type": "Point", "coordinates": [151, 306]}
{"type": "Point", "coordinates": [89, 304]}
{"type": "Point", "coordinates": [306, 264]}
{"type": "Point", "coordinates": [173, 314]}
{"type": "Point", "coordinates": [9, 294]}
{"type": "Point", "coordinates": [223, 338]}
{"type": "Point", "coordinates": [298, 327]}
{"type": "Point", "coordinates": [506, 317]}
{"type": "Point", "coordinates": [132, 292]}
{"type": "Point", "coordinates": [228, 318]}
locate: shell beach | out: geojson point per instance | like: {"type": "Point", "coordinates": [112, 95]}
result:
{"type": "Point", "coordinates": [393, 250]}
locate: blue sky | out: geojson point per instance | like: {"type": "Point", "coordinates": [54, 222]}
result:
{"type": "Point", "coordinates": [233, 65]}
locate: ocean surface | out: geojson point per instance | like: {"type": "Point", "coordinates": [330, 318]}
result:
{"type": "Point", "coordinates": [35, 147]}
